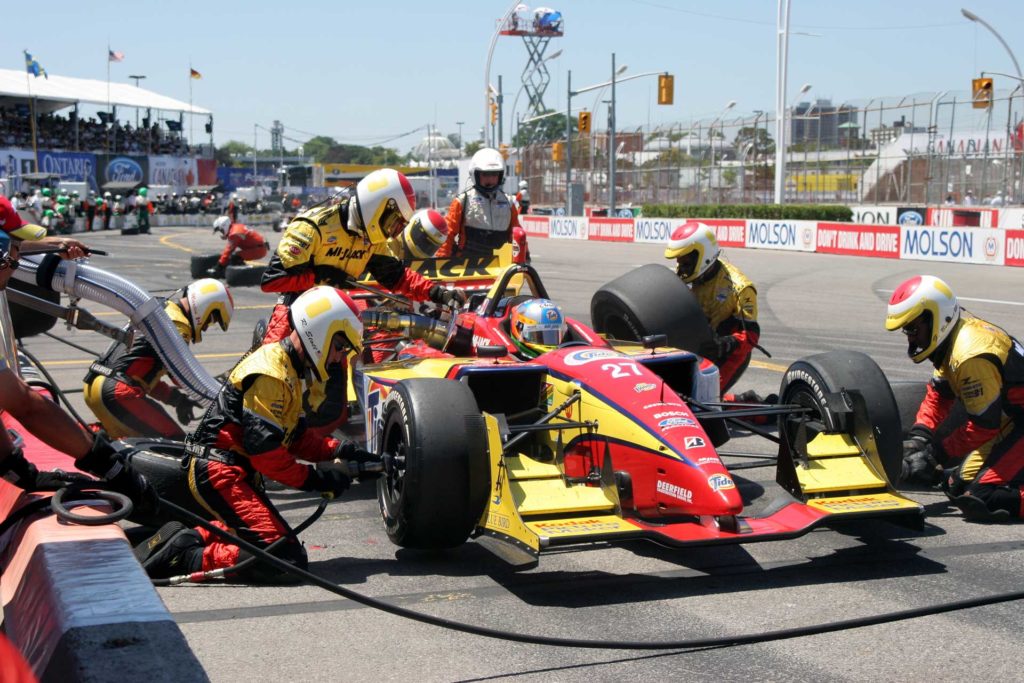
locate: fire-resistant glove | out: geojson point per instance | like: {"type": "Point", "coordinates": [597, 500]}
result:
{"type": "Point", "coordinates": [360, 462]}
{"type": "Point", "coordinates": [184, 407]}
{"type": "Point", "coordinates": [329, 481]}
{"type": "Point", "coordinates": [920, 464]}
{"type": "Point", "coordinates": [719, 348]}
{"type": "Point", "coordinates": [453, 298]}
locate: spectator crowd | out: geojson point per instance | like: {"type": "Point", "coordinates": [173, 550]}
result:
{"type": "Point", "coordinates": [58, 133]}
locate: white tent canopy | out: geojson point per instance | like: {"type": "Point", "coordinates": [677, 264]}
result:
{"type": "Point", "coordinates": [64, 91]}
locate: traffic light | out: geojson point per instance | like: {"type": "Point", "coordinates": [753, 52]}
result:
{"type": "Point", "coordinates": [981, 93]}
{"type": "Point", "coordinates": [503, 148]}
{"type": "Point", "coordinates": [666, 88]}
{"type": "Point", "coordinates": [584, 122]}
{"type": "Point", "coordinates": [556, 151]}
{"type": "Point", "coordinates": [494, 112]}
{"type": "Point", "coordinates": [519, 166]}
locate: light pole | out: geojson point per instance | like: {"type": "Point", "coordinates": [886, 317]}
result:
{"type": "Point", "coordinates": [459, 124]}
{"type": "Point", "coordinates": [781, 133]}
{"type": "Point", "coordinates": [487, 68]}
{"type": "Point", "coordinates": [711, 141]}
{"type": "Point", "coordinates": [1020, 77]}
{"type": "Point", "coordinates": [136, 79]}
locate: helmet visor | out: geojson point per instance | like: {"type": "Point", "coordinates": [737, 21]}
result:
{"type": "Point", "coordinates": [687, 265]}
{"type": "Point", "coordinates": [541, 335]}
{"type": "Point", "coordinates": [389, 220]}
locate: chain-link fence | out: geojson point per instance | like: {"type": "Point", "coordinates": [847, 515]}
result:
{"type": "Point", "coordinates": [923, 148]}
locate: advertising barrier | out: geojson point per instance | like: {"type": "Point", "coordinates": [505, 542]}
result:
{"type": "Point", "coordinates": [611, 229]}
{"type": "Point", "coordinates": [881, 241]}
{"type": "Point", "coordinates": [785, 235]}
{"type": "Point", "coordinates": [568, 227]}
{"type": "Point", "coordinates": [78, 167]}
{"type": "Point", "coordinates": [1014, 251]}
{"type": "Point", "coordinates": [535, 226]}
{"type": "Point", "coordinates": [961, 245]}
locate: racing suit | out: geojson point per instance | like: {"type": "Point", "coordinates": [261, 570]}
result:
{"type": "Point", "coordinates": [983, 367]}
{"type": "Point", "coordinates": [142, 211]}
{"type": "Point", "coordinates": [478, 223]}
{"type": "Point", "coordinates": [254, 429]}
{"type": "Point", "coordinates": [729, 302]}
{"type": "Point", "coordinates": [317, 248]}
{"type": "Point", "coordinates": [523, 201]}
{"type": "Point", "coordinates": [121, 385]}
{"type": "Point", "coordinates": [249, 244]}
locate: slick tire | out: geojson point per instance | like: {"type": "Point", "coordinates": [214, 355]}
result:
{"type": "Point", "coordinates": [160, 462]}
{"type": "Point", "coordinates": [201, 263]}
{"type": "Point", "coordinates": [875, 417]}
{"type": "Point", "coordinates": [244, 276]}
{"type": "Point", "coordinates": [27, 321]}
{"type": "Point", "coordinates": [909, 396]}
{"type": "Point", "coordinates": [436, 489]}
{"type": "Point", "coordinates": [650, 300]}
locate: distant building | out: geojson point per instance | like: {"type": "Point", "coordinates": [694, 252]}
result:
{"type": "Point", "coordinates": [807, 118]}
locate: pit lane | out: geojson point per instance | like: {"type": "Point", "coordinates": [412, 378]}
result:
{"type": "Point", "coordinates": [808, 303]}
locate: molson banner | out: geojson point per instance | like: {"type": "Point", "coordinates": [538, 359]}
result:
{"type": "Point", "coordinates": [178, 172]}
{"type": "Point", "coordinates": [119, 168]}
{"type": "Point", "coordinates": [568, 227]}
{"type": "Point", "coordinates": [963, 245]}
{"type": "Point", "coordinates": [785, 235]}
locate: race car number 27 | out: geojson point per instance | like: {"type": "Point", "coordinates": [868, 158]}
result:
{"type": "Point", "coordinates": [621, 369]}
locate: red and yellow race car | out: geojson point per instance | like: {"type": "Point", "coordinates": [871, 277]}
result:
{"type": "Point", "coordinates": [603, 439]}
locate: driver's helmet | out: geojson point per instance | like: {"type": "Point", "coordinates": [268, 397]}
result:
{"type": "Point", "coordinates": [695, 249]}
{"type": "Point", "coordinates": [424, 234]}
{"type": "Point", "coordinates": [209, 301]}
{"type": "Point", "coordinates": [487, 160]}
{"type": "Point", "coordinates": [222, 225]}
{"type": "Point", "coordinates": [318, 315]}
{"type": "Point", "coordinates": [926, 310]}
{"type": "Point", "coordinates": [537, 326]}
{"type": "Point", "coordinates": [385, 202]}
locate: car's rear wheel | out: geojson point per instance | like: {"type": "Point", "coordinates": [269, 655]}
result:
{"type": "Point", "coordinates": [875, 417]}
{"type": "Point", "coordinates": [437, 477]}
{"type": "Point", "coordinates": [650, 300]}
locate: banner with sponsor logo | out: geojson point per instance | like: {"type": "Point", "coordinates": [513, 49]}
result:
{"type": "Point", "coordinates": [568, 227]}
{"type": "Point", "coordinates": [785, 235]}
{"type": "Point", "coordinates": [535, 226]}
{"type": "Point", "coordinates": [1011, 218]}
{"type": "Point", "coordinates": [232, 178]}
{"type": "Point", "coordinates": [730, 232]}
{"type": "Point", "coordinates": [1014, 249]}
{"type": "Point", "coordinates": [875, 215]}
{"type": "Point", "coordinates": [178, 172]}
{"type": "Point", "coordinates": [963, 245]}
{"type": "Point", "coordinates": [79, 167]}
{"type": "Point", "coordinates": [882, 241]}
{"type": "Point", "coordinates": [611, 229]}
{"type": "Point", "coordinates": [117, 168]}
{"type": "Point", "coordinates": [655, 230]}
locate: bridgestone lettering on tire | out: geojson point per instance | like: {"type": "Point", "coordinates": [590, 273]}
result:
{"type": "Point", "coordinates": [650, 300]}
{"type": "Point", "coordinates": [436, 500]}
{"type": "Point", "coordinates": [808, 381]}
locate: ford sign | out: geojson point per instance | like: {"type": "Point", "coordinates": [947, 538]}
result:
{"type": "Point", "coordinates": [123, 170]}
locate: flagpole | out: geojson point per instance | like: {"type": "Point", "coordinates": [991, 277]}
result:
{"type": "Point", "coordinates": [108, 98]}
{"type": "Point", "coordinates": [191, 130]}
{"type": "Point", "coordinates": [32, 112]}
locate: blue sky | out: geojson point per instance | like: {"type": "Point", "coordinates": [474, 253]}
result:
{"type": "Point", "coordinates": [366, 71]}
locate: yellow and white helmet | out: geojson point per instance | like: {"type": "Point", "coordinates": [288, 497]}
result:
{"type": "Point", "coordinates": [424, 234]}
{"type": "Point", "coordinates": [926, 309]}
{"type": "Point", "coordinates": [694, 246]}
{"type": "Point", "coordinates": [208, 300]}
{"type": "Point", "coordinates": [385, 202]}
{"type": "Point", "coordinates": [319, 314]}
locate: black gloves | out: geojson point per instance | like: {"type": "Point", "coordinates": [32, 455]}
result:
{"type": "Point", "coordinates": [361, 463]}
{"type": "Point", "coordinates": [453, 298]}
{"type": "Point", "coordinates": [111, 466]}
{"type": "Point", "coordinates": [19, 471]}
{"type": "Point", "coordinates": [333, 482]}
{"type": "Point", "coordinates": [920, 464]}
{"type": "Point", "coordinates": [183, 406]}
{"type": "Point", "coordinates": [719, 348]}
{"type": "Point", "coordinates": [329, 275]}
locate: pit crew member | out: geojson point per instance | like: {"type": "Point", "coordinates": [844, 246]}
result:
{"type": "Point", "coordinates": [482, 218]}
{"type": "Point", "coordinates": [243, 244]}
{"type": "Point", "coordinates": [980, 464]}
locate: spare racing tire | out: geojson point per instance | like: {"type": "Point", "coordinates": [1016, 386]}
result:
{"type": "Point", "coordinates": [650, 300]}
{"type": "Point", "coordinates": [201, 263]}
{"type": "Point", "coordinates": [437, 477]}
{"type": "Point", "coordinates": [28, 321]}
{"type": "Point", "coordinates": [875, 416]}
{"type": "Point", "coordinates": [160, 461]}
{"type": "Point", "coordinates": [244, 276]}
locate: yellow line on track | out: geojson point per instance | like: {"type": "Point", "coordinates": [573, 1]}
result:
{"type": "Point", "coordinates": [765, 365]}
{"type": "Point", "coordinates": [166, 241]}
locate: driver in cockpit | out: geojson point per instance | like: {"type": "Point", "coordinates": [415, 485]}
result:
{"type": "Point", "coordinates": [536, 326]}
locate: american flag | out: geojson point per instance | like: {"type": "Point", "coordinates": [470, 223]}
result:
{"type": "Point", "coordinates": [113, 56]}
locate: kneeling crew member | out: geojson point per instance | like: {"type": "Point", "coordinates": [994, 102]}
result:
{"type": "Point", "coordinates": [243, 244]}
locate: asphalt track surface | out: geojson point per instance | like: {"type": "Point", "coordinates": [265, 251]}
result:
{"type": "Point", "coordinates": [808, 303]}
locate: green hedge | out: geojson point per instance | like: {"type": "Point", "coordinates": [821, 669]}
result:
{"type": "Point", "coordinates": [810, 212]}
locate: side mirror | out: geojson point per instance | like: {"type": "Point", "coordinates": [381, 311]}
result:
{"type": "Point", "coordinates": [491, 351]}
{"type": "Point", "coordinates": [653, 341]}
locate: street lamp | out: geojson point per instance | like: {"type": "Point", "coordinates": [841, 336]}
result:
{"type": "Point", "coordinates": [781, 132]}
{"type": "Point", "coordinates": [459, 124]}
{"type": "Point", "coordinates": [490, 53]}
{"type": "Point", "coordinates": [711, 140]}
{"type": "Point", "coordinates": [1020, 77]}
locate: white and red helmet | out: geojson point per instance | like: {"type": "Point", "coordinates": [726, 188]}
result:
{"type": "Point", "coordinates": [693, 238]}
{"type": "Point", "coordinates": [425, 233]}
{"type": "Point", "coordinates": [928, 298]}
{"type": "Point", "coordinates": [385, 201]}
{"type": "Point", "coordinates": [319, 314]}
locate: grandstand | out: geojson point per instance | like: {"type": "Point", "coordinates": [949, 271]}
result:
{"type": "Point", "coordinates": [105, 150]}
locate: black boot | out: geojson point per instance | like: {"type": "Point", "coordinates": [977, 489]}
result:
{"type": "Point", "coordinates": [172, 551]}
{"type": "Point", "coordinates": [974, 509]}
